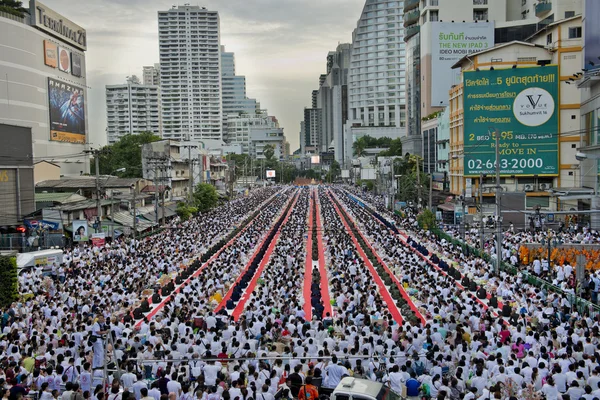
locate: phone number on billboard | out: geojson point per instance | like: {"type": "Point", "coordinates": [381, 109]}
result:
{"type": "Point", "coordinates": [515, 163]}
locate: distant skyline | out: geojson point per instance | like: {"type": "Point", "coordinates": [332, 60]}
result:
{"type": "Point", "coordinates": [280, 46]}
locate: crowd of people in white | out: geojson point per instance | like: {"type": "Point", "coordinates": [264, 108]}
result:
{"type": "Point", "coordinates": [238, 331]}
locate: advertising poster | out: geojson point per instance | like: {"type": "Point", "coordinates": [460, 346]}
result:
{"type": "Point", "coordinates": [80, 231]}
{"type": "Point", "coordinates": [521, 106]}
{"type": "Point", "coordinates": [64, 59]}
{"type": "Point", "coordinates": [449, 43]}
{"type": "Point", "coordinates": [270, 173]}
{"type": "Point", "coordinates": [76, 65]}
{"type": "Point", "coordinates": [67, 112]}
{"type": "Point", "coordinates": [98, 239]}
{"type": "Point", "coordinates": [50, 54]}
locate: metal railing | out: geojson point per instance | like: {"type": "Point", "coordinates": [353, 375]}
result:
{"type": "Point", "coordinates": [582, 305]}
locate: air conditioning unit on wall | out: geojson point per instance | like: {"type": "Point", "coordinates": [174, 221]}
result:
{"type": "Point", "coordinates": [528, 187]}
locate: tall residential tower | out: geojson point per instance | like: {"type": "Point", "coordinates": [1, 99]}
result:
{"type": "Point", "coordinates": [190, 73]}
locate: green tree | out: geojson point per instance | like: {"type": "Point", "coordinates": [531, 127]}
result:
{"type": "Point", "coordinates": [205, 197]}
{"type": "Point", "coordinates": [13, 7]}
{"type": "Point", "coordinates": [269, 152]}
{"type": "Point", "coordinates": [126, 153]}
{"type": "Point", "coordinates": [394, 149]}
{"type": "Point", "coordinates": [185, 211]}
{"type": "Point", "coordinates": [426, 219]}
{"type": "Point", "coordinates": [9, 291]}
{"type": "Point", "coordinates": [359, 146]}
{"type": "Point", "coordinates": [243, 164]}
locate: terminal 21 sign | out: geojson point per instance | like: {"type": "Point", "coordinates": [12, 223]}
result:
{"type": "Point", "coordinates": [47, 20]}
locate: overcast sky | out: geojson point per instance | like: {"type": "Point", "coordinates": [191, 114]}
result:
{"type": "Point", "coordinates": [280, 46]}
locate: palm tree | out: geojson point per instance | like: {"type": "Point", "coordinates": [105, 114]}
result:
{"type": "Point", "coordinates": [359, 147]}
{"type": "Point", "coordinates": [13, 7]}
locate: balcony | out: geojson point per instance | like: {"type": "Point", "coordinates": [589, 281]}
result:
{"type": "Point", "coordinates": [543, 7]}
{"type": "Point", "coordinates": [410, 4]}
{"type": "Point", "coordinates": [411, 31]}
{"type": "Point", "coordinates": [480, 16]}
{"type": "Point", "coordinates": [411, 17]}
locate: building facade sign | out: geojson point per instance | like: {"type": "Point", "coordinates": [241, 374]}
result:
{"type": "Point", "coordinates": [521, 106]}
{"type": "Point", "coordinates": [449, 43]}
{"type": "Point", "coordinates": [48, 20]}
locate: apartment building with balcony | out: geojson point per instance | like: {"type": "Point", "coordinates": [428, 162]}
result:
{"type": "Point", "coordinates": [132, 108]}
{"type": "Point", "coordinates": [151, 75]}
{"type": "Point", "coordinates": [376, 79]}
{"type": "Point", "coordinates": [190, 73]}
{"type": "Point", "coordinates": [240, 125]}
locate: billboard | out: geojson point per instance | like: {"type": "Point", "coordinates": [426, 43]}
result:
{"type": "Point", "coordinates": [315, 159]}
{"type": "Point", "coordinates": [270, 173]}
{"type": "Point", "coordinates": [521, 105]}
{"type": "Point", "coordinates": [76, 65]}
{"type": "Point", "coordinates": [67, 112]}
{"type": "Point", "coordinates": [80, 231]}
{"type": "Point", "coordinates": [449, 43]}
{"type": "Point", "coordinates": [50, 54]}
{"type": "Point", "coordinates": [591, 33]}
{"type": "Point", "coordinates": [64, 59]}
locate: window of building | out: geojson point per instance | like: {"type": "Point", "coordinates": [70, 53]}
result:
{"type": "Point", "coordinates": [575, 32]}
{"type": "Point", "coordinates": [434, 15]}
{"type": "Point", "coordinates": [569, 14]}
{"type": "Point", "coordinates": [549, 38]}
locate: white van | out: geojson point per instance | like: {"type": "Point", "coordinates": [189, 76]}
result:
{"type": "Point", "coordinates": [362, 389]}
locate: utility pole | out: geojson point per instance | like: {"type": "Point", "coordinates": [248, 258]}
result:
{"type": "Point", "coordinates": [418, 184]}
{"type": "Point", "coordinates": [463, 226]}
{"type": "Point", "coordinates": [156, 192]}
{"type": "Point", "coordinates": [431, 192]}
{"type": "Point", "coordinates": [96, 154]}
{"type": "Point", "coordinates": [165, 166]}
{"type": "Point", "coordinates": [498, 210]}
{"type": "Point", "coordinates": [191, 178]}
{"type": "Point", "coordinates": [134, 210]}
{"type": "Point", "coordinates": [481, 224]}
{"type": "Point", "coordinates": [98, 204]}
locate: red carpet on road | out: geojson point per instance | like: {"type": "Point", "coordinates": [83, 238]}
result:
{"type": "Point", "coordinates": [239, 308]}
{"type": "Point", "coordinates": [308, 263]}
{"type": "Point", "coordinates": [402, 237]}
{"type": "Point", "coordinates": [398, 284]}
{"type": "Point", "coordinates": [322, 271]}
{"type": "Point", "coordinates": [164, 301]}
{"type": "Point", "coordinates": [382, 289]}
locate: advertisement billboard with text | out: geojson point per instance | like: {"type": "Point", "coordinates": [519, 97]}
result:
{"type": "Point", "coordinates": [449, 43]}
{"type": "Point", "coordinates": [521, 106]}
{"type": "Point", "coordinates": [67, 112]}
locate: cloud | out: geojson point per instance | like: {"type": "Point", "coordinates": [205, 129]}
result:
{"type": "Point", "coordinates": [280, 45]}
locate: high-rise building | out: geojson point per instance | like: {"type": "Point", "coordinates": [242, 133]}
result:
{"type": "Point", "coordinates": [313, 126]}
{"type": "Point", "coordinates": [190, 73]}
{"type": "Point", "coordinates": [151, 75]}
{"type": "Point", "coordinates": [376, 78]}
{"type": "Point", "coordinates": [332, 99]}
{"type": "Point", "coordinates": [132, 108]}
{"type": "Point", "coordinates": [235, 100]}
